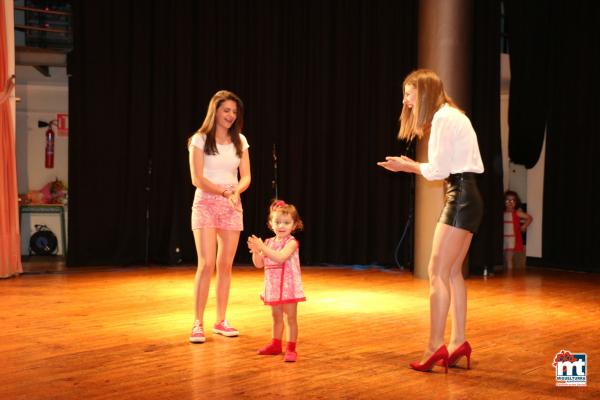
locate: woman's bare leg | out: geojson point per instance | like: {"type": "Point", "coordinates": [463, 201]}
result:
{"type": "Point", "coordinates": [206, 243]}
{"type": "Point", "coordinates": [227, 246]}
{"type": "Point", "coordinates": [458, 297]}
{"type": "Point", "coordinates": [446, 251]}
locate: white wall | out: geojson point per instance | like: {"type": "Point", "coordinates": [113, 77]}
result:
{"type": "Point", "coordinates": [535, 204]}
{"type": "Point", "coordinates": [41, 98]}
{"type": "Point", "coordinates": [504, 138]}
{"type": "Point", "coordinates": [529, 184]}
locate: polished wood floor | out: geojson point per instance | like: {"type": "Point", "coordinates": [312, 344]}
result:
{"type": "Point", "coordinates": [122, 334]}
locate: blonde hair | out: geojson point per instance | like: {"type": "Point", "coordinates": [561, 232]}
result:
{"type": "Point", "coordinates": [415, 122]}
{"type": "Point", "coordinates": [209, 128]}
{"type": "Point", "coordinates": [280, 206]}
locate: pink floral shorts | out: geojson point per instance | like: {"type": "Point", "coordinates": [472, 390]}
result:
{"type": "Point", "coordinates": [214, 211]}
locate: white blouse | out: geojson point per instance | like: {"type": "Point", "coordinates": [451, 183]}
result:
{"type": "Point", "coordinates": [452, 145]}
{"type": "Point", "coordinates": [220, 168]}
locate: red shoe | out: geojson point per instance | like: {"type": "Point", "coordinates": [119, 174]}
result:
{"type": "Point", "coordinates": [441, 354]}
{"type": "Point", "coordinates": [462, 350]}
{"type": "Point", "coordinates": [272, 349]}
{"type": "Point", "coordinates": [290, 356]}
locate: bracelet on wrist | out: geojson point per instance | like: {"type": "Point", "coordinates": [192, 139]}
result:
{"type": "Point", "coordinates": [224, 191]}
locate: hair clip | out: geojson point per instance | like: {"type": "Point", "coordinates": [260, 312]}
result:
{"type": "Point", "coordinates": [278, 203]}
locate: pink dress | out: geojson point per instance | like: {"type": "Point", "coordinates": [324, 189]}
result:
{"type": "Point", "coordinates": [283, 283]}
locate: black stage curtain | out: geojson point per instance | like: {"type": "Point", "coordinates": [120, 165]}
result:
{"type": "Point", "coordinates": [486, 249]}
{"type": "Point", "coordinates": [567, 88]}
{"type": "Point", "coordinates": [528, 105]}
{"type": "Point", "coordinates": [320, 80]}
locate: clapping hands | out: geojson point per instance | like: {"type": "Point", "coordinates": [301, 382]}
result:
{"type": "Point", "coordinates": [397, 164]}
{"type": "Point", "coordinates": [255, 244]}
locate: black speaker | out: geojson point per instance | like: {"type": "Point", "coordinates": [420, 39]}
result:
{"type": "Point", "coordinates": [43, 242]}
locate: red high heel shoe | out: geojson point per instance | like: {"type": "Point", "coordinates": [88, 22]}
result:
{"type": "Point", "coordinates": [441, 355]}
{"type": "Point", "coordinates": [462, 350]}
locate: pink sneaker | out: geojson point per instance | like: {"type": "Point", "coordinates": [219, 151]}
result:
{"type": "Point", "coordinates": [197, 335]}
{"type": "Point", "coordinates": [223, 328]}
{"type": "Point", "coordinates": [290, 356]}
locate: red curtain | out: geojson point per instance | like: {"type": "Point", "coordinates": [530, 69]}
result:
{"type": "Point", "coordinates": [10, 251]}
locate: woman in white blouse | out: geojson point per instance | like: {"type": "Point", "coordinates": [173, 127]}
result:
{"type": "Point", "coordinates": [218, 152]}
{"type": "Point", "coordinates": [453, 155]}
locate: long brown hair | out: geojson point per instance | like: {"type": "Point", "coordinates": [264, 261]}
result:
{"type": "Point", "coordinates": [415, 122]}
{"type": "Point", "coordinates": [209, 127]}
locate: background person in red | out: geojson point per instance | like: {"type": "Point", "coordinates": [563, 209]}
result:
{"type": "Point", "coordinates": [516, 222]}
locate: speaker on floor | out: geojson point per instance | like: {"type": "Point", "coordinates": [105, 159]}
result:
{"type": "Point", "coordinates": [43, 242]}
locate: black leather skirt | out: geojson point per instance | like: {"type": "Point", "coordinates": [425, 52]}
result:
{"type": "Point", "coordinates": [463, 207]}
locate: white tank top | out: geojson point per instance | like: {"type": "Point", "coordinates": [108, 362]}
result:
{"type": "Point", "coordinates": [220, 168]}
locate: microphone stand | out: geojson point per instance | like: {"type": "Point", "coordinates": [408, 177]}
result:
{"type": "Point", "coordinates": [411, 216]}
{"type": "Point", "coordinates": [274, 182]}
{"type": "Point", "coordinates": [148, 191]}
{"type": "Point", "coordinates": [409, 220]}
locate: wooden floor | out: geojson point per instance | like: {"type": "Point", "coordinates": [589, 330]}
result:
{"type": "Point", "coordinates": [122, 334]}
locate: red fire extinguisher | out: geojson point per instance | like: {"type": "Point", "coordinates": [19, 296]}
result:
{"type": "Point", "coordinates": [49, 153]}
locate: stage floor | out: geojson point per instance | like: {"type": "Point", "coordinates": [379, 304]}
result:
{"type": "Point", "coordinates": [121, 333]}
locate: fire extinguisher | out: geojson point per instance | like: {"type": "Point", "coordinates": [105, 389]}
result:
{"type": "Point", "coordinates": [49, 153]}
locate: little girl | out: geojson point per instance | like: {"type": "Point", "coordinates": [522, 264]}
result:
{"type": "Point", "coordinates": [283, 287]}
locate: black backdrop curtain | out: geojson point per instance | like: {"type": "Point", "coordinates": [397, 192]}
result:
{"type": "Point", "coordinates": [320, 80]}
{"type": "Point", "coordinates": [562, 89]}
{"type": "Point", "coordinates": [486, 249]}
{"type": "Point", "coordinates": [528, 106]}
